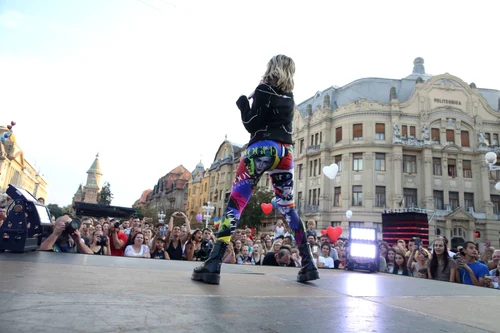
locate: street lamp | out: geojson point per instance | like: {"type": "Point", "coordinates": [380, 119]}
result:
{"type": "Point", "coordinates": [161, 217]}
{"type": "Point", "coordinates": [491, 159]}
{"type": "Point", "coordinates": [208, 210]}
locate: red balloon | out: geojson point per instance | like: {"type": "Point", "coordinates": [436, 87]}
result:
{"type": "Point", "coordinates": [12, 122]}
{"type": "Point", "coordinates": [323, 232]}
{"type": "Point", "coordinates": [266, 208]}
{"type": "Point", "coordinates": [334, 233]}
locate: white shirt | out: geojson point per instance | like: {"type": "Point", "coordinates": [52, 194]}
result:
{"type": "Point", "coordinates": [328, 262]}
{"type": "Point", "coordinates": [279, 231]}
{"type": "Point", "coordinates": [130, 252]}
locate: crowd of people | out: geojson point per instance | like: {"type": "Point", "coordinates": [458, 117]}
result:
{"type": "Point", "coordinates": [138, 238]}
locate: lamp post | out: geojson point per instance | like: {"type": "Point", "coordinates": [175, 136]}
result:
{"type": "Point", "coordinates": [491, 159]}
{"type": "Point", "coordinates": [207, 210]}
{"type": "Point", "coordinates": [161, 217]}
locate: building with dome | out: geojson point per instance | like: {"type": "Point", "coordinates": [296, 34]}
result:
{"type": "Point", "coordinates": [16, 170]}
{"type": "Point", "coordinates": [416, 142]}
{"type": "Point", "coordinates": [90, 193]}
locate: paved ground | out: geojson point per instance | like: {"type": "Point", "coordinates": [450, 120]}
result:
{"type": "Point", "coordinates": [55, 292]}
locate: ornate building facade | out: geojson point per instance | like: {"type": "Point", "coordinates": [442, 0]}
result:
{"type": "Point", "coordinates": [91, 191]}
{"type": "Point", "coordinates": [418, 142]}
{"type": "Point", "coordinates": [197, 191]}
{"type": "Point", "coordinates": [170, 192]}
{"type": "Point", "coordinates": [16, 170]}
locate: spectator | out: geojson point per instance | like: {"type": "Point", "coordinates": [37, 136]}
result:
{"type": "Point", "coordinates": [137, 249]}
{"type": "Point", "coordinates": [193, 247]}
{"type": "Point", "coordinates": [469, 270]}
{"type": "Point", "coordinates": [174, 240]}
{"type": "Point", "coordinates": [118, 239]}
{"type": "Point", "coordinates": [229, 256]}
{"type": "Point", "coordinates": [421, 255]}
{"type": "Point", "coordinates": [282, 258]}
{"type": "Point", "coordinates": [311, 229]}
{"type": "Point", "coordinates": [244, 257]}
{"type": "Point", "coordinates": [400, 265]}
{"type": "Point", "coordinates": [495, 259]}
{"type": "Point", "coordinates": [258, 254]}
{"type": "Point", "coordinates": [159, 249]}
{"type": "Point", "coordinates": [422, 273]}
{"type": "Point", "coordinates": [61, 241]}
{"type": "Point", "coordinates": [100, 244]}
{"type": "Point", "coordinates": [441, 267]}
{"type": "Point", "coordinates": [279, 229]}
{"type": "Point", "coordinates": [3, 214]}
{"type": "Point", "coordinates": [324, 260]}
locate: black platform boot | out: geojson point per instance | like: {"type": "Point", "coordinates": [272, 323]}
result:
{"type": "Point", "coordinates": [209, 272]}
{"type": "Point", "coordinates": [309, 271]}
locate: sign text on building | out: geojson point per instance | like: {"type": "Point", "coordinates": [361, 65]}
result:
{"type": "Point", "coordinates": [447, 101]}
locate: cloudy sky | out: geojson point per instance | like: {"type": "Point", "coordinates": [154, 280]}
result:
{"type": "Point", "coordinates": [151, 84]}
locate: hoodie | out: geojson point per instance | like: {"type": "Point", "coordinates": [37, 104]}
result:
{"type": "Point", "coordinates": [271, 115]}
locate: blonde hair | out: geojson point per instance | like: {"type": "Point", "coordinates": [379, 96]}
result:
{"type": "Point", "coordinates": [279, 73]}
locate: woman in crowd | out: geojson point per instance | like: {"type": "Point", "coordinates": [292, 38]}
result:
{"type": "Point", "coordinates": [258, 254]}
{"type": "Point", "coordinates": [391, 255]}
{"type": "Point", "coordinates": [421, 256]}
{"type": "Point", "coordinates": [137, 249]}
{"type": "Point", "coordinates": [229, 256]}
{"type": "Point", "coordinates": [100, 244]}
{"type": "Point", "coordinates": [193, 246]}
{"type": "Point", "coordinates": [441, 267]}
{"type": "Point", "coordinates": [400, 266]}
{"type": "Point", "coordinates": [324, 260]}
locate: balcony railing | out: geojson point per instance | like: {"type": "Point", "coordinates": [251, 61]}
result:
{"type": "Point", "coordinates": [308, 209]}
{"type": "Point", "coordinates": [313, 149]}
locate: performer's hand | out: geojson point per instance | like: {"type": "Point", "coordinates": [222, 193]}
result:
{"type": "Point", "coordinates": [243, 103]}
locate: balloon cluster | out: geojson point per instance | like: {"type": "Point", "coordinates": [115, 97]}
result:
{"type": "Point", "coordinates": [9, 135]}
{"type": "Point", "coordinates": [267, 208]}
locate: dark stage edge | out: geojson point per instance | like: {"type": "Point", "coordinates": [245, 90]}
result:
{"type": "Point", "coordinates": [56, 292]}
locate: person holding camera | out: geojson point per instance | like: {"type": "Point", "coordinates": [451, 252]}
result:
{"type": "Point", "coordinates": [117, 238]}
{"type": "Point", "coordinates": [66, 237]}
{"type": "Point", "coordinates": [100, 244]}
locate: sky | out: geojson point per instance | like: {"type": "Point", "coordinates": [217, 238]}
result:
{"type": "Point", "coordinates": [151, 84]}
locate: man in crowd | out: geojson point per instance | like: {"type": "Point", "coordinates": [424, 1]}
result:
{"type": "Point", "coordinates": [3, 214]}
{"type": "Point", "coordinates": [118, 239]}
{"type": "Point", "coordinates": [61, 241]}
{"type": "Point", "coordinates": [469, 270]}
{"type": "Point", "coordinates": [282, 258]}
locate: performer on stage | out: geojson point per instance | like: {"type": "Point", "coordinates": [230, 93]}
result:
{"type": "Point", "coordinates": [269, 122]}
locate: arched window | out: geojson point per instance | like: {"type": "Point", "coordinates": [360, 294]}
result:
{"type": "Point", "coordinates": [326, 101]}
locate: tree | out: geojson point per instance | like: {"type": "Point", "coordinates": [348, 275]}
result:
{"type": "Point", "coordinates": [55, 209]}
{"type": "Point", "coordinates": [106, 195]}
{"type": "Point", "coordinates": [67, 209]}
{"type": "Point", "coordinates": [253, 214]}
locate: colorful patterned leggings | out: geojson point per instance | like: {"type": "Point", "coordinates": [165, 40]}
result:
{"type": "Point", "coordinates": [277, 159]}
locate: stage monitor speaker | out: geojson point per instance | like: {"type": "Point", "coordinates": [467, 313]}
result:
{"type": "Point", "coordinates": [23, 228]}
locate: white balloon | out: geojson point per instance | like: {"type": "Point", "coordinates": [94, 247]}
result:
{"type": "Point", "coordinates": [331, 171]}
{"type": "Point", "coordinates": [348, 214]}
{"type": "Point", "coordinates": [497, 186]}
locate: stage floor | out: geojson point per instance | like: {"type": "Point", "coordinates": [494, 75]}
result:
{"type": "Point", "coordinates": [56, 292]}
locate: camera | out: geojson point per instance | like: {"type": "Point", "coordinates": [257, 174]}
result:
{"type": "Point", "coordinates": [103, 241]}
{"type": "Point", "coordinates": [117, 225]}
{"type": "Point", "coordinates": [72, 226]}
